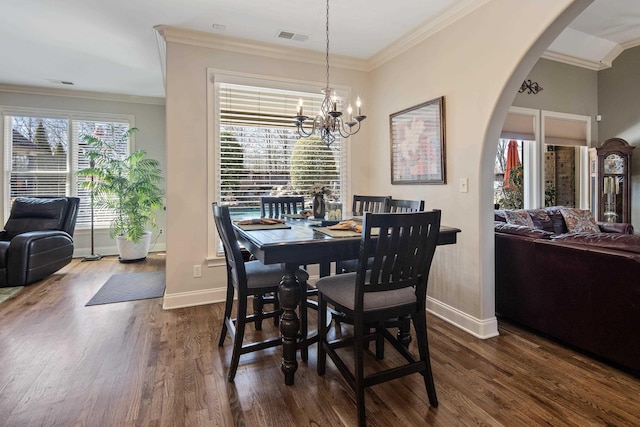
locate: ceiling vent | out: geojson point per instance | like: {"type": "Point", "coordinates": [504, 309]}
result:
{"type": "Point", "coordinates": [60, 82]}
{"type": "Point", "coordinates": [292, 36]}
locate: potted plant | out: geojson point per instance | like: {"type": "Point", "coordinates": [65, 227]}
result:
{"type": "Point", "coordinates": [128, 185]}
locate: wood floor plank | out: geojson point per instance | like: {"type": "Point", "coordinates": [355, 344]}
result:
{"type": "Point", "coordinates": [135, 364]}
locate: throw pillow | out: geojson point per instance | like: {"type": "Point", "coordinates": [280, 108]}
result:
{"type": "Point", "coordinates": [519, 217]}
{"type": "Point", "coordinates": [541, 220]}
{"type": "Point", "coordinates": [579, 221]}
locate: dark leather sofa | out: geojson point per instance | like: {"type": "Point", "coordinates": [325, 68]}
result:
{"type": "Point", "coordinates": [582, 289]}
{"type": "Point", "coordinates": [37, 239]}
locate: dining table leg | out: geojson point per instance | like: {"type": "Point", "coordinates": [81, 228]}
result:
{"type": "Point", "coordinates": [289, 295]}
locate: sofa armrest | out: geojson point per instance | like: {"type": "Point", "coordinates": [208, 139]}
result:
{"type": "Point", "coordinates": [615, 227]}
{"type": "Point", "coordinates": [36, 254]}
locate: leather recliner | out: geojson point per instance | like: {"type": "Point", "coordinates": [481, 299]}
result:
{"type": "Point", "coordinates": [37, 239]}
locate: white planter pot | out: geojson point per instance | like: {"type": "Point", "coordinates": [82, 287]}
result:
{"type": "Point", "coordinates": [132, 252]}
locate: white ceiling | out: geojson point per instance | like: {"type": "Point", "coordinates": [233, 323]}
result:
{"type": "Point", "coordinates": [110, 46]}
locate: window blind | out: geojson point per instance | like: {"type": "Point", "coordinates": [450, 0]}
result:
{"type": "Point", "coordinates": [38, 161]}
{"type": "Point", "coordinates": [261, 152]}
{"type": "Point", "coordinates": [112, 133]}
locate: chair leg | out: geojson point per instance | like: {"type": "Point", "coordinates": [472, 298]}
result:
{"type": "Point", "coordinates": [359, 331]}
{"type": "Point", "coordinates": [380, 341]}
{"type": "Point", "coordinates": [322, 335]}
{"type": "Point", "coordinates": [228, 306]}
{"type": "Point", "coordinates": [420, 325]}
{"type": "Point", "coordinates": [258, 306]}
{"type": "Point", "coordinates": [404, 330]}
{"type": "Point", "coordinates": [304, 327]}
{"type": "Point", "coordinates": [241, 321]}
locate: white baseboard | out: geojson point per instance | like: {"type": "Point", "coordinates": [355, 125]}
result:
{"type": "Point", "coordinates": [483, 329]}
{"type": "Point", "coordinates": [190, 299]}
{"type": "Point", "coordinates": [112, 250]}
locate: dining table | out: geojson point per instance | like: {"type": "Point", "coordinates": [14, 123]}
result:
{"type": "Point", "coordinates": [297, 242]}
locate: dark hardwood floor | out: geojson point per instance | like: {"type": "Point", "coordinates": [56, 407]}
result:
{"type": "Point", "coordinates": [132, 363]}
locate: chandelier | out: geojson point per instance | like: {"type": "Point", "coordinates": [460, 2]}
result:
{"type": "Point", "coordinates": [330, 122]}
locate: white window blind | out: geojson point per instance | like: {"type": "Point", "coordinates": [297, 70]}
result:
{"type": "Point", "coordinates": [112, 133]}
{"type": "Point", "coordinates": [38, 163]}
{"type": "Point", "coordinates": [519, 127]}
{"type": "Point", "coordinates": [259, 149]}
{"type": "Point", "coordinates": [44, 151]}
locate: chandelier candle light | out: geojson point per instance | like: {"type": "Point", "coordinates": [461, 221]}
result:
{"type": "Point", "coordinates": [330, 121]}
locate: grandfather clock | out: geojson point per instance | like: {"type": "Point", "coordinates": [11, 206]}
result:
{"type": "Point", "coordinates": [610, 168]}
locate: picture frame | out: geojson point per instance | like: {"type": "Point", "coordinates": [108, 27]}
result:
{"type": "Point", "coordinates": [418, 144]}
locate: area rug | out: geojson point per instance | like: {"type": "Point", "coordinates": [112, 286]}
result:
{"type": "Point", "coordinates": [6, 293]}
{"type": "Point", "coordinates": [130, 287]}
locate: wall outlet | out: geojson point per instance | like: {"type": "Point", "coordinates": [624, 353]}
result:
{"type": "Point", "coordinates": [161, 231]}
{"type": "Point", "coordinates": [197, 270]}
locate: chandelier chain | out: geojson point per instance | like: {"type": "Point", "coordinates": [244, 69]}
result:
{"type": "Point", "coordinates": [330, 122]}
{"type": "Point", "coordinates": [327, 54]}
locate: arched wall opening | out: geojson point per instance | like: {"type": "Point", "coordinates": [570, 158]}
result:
{"type": "Point", "coordinates": [492, 135]}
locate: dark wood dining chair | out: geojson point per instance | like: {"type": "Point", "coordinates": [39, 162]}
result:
{"type": "Point", "coordinates": [276, 206]}
{"type": "Point", "coordinates": [393, 206]}
{"type": "Point", "coordinates": [394, 286]}
{"type": "Point", "coordinates": [399, 205]}
{"type": "Point", "coordinates": [246, 279]}
{"type": "Point", "coordinates": [362, 204]}
{"type": "Point", "coordinates": [376, 204]}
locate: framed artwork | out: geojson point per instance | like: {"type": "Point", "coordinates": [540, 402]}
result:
{"type": "Point", "coordinates": [418, 144]}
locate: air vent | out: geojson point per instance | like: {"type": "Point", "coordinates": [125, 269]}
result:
{"type": "Point", "coordinates": [292, 36]}
{"type": "Point", "coordinates": [60, 82]}
{"type": "Point", "coordinates": [286, 35]}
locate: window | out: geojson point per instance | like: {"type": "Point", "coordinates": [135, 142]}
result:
{"type": "Point", "coordinates": [260, 151]}
{"type": "Point", "coordinates": [554, 157]}
{"type": "Point", "coordinates": [43, 150]}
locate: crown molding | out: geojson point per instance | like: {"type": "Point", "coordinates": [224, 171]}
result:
{"type": "Point", "coordinates": [70, 93]}
{"type": "Point", "coordinates": [424, 31]}
{"type": "Point", "coordinates": [578, 62]}
{"type": "Point", "coordinates": [630, 44]}
{"type": "Point", "coordinates": [231, 44]}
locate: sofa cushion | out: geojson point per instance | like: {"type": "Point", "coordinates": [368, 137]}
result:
{"type": "Point", "coordinates": [34, 214]}
{"type": "Point", "coordinates": [579, 221]}
{"type": "Point", "coordinates": [521, 230]}
{"type": "Point", "coordinates": [541, 219]}
{"type": "Point", "coordinates": [557, 220]}
{"type": "Point", "coordinates": [519, 217]}
{"type": "Point", "coordinates": [623, 242]}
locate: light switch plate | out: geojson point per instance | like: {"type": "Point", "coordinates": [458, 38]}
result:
{"type": "Point", "coordinates": [464, 185]}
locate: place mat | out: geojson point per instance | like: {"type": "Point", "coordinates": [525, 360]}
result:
{"type": "Point", "coordinates": [251, 227]}
{"type": "Point", "coordinates": [343, 233]}
{"type": "Point", "coordinates": [130, 287]}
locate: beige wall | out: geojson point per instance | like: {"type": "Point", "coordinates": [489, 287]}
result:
{"type": "Point", "coordinates": [619, 104]}
{"type": "Point", "coordinates": [566, 89]}
{"type": "Point", "coordinates": [472, 63]}
{"type": "Point", "coordinates": [188, 208]}
{"type": "Point", "coordinates": [478, 70]}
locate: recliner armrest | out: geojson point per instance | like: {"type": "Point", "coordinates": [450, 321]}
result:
{"type": "Point", "coordinates": [33, 252]}
{"type": "Point", "coordinates": [615, 227]}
